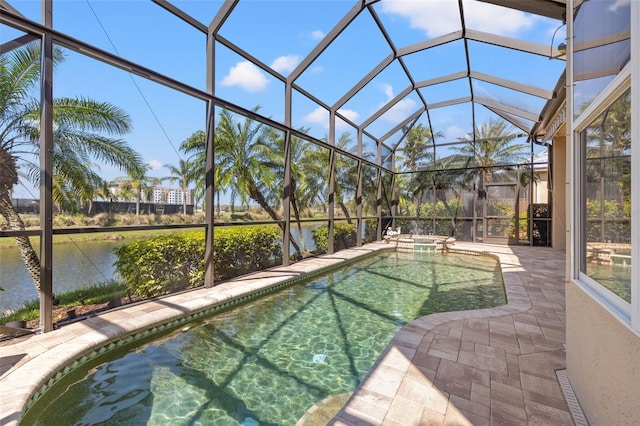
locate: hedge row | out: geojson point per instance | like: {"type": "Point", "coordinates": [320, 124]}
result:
{"type": "Point", "coordinates": [344, 236]}
{"type": "Point", "coordinates": [164, 264]}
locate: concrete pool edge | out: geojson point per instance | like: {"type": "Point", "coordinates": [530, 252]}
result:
{"type": "Point", "coordinates": [37, 362]}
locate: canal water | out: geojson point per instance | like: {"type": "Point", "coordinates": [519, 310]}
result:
{"type": "Point", "coordinates": [76, 265]}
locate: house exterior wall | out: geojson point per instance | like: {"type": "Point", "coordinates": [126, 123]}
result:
{"type": "Point", "coordinates": [603, 360]}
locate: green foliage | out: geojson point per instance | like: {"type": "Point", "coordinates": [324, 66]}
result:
{"type": "Point", "coordinates": [344, 235]}
{"type": "Point", "coordinates": [500, 209]}
{"type": "Point", "coordinates": [28, 311]}
{"type": "Point", "coordinates": [85, 296]}
{"type": "Point", "coordinates": [163, 264]}
{"type": "Point", "coordinates": [370, 230]}
{"type": "Point", "coordinates": [240, 250]}
{"type": "Point", "coordinates": [610, 209]}
{"type": "Point", "coordinates": [439, 209]}
{"type": "Point", "coordinates": [93, 295]}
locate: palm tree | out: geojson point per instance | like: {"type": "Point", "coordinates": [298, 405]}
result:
{"type": "Point", "coordinates": [195, 146]}
{"type": "Point", "coordinates": [416, 147]}
{"type": "Point", "coordinates": [184, 175]}
{"type": "Point", "coordinates": [274, 158]}
{"type": "Point", "coordinates": [416, 151]}
{"type": "Point", "coordinates": [84, 130]}
{"type": "Point", "coordinates": [346, 173]}
{"type": "Point", "coordinates": [490, 147]}
{"type": "Point", "coordinates": [138, 183]}
{"type": "Point", "coordinates": [312, 162]}
{"type": "Point", "coordinates": [242, 153]}
{"type": "Point", "coordinates": [448, 176]}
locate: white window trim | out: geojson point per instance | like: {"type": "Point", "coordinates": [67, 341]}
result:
{"type": "Point", "coordinates": [635, 165]}
{"type": "Point", "coordinates": [629, 77]}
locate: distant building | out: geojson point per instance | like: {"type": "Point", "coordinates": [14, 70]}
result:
{"type": "Point", "coordinates": [541, 185]}
{"type": "Point", "coordinates": [157, 195]}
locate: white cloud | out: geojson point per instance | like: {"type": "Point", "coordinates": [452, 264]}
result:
{"type": "Point", "coordinates": [155, 164]}
{"type": "Point", "coordinates": [400, 110]}
{"type": "Point", "coordinates": [350, 114]}
{"type": "Point", "coordinates": [318, 116]}
{"type": "Point", "coordinates": [321, 116]}
{"type": "Point", "coordinates": [388, 91]}
{"type": "Point", "coordinates": [453, 133]}
{"type": "Point", "coordinates": [618, 4]}
{"type": "Point", "coordinates": [285, 64]}
{"type": "Point", "coordinates": [497, 20]}
{"type": "Point", "coordinates": [438, 17]}
{"type": "Point", "coordinates": [317, 35]}
{"type": "Point", "coordinates": [246, 75]}
{"type": "Point", "coordinates": [483, 92]}
{"type": "Point", "coordinates": [317, 69]}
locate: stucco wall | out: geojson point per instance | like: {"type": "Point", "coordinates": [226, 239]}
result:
{"type": "Point", "coordinates": [603, 361]}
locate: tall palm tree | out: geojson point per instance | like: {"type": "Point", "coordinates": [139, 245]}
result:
{"type": "Point", "coordinates": [491, 146]}
{"type": "Point", "coordinates": [184, 175]}
{"type": "Point", "coordinates": [416, 152]}
{"type": "Point", "coordinates": [346, 173]}
{"type": "Point", "coordinates": [242, 152]}
{"type": "Point", "coordinates": [84, 130]}
{"type": "Point", "coordinates": [274, 158]}
{"type": "Point", "coordinates": [195, 146]}
{"type": "Point", "coordinates": [313, 162]}
{"type": "Point", "coordinates": [416, 147]}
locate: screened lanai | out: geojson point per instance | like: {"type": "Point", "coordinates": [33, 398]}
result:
{"type": "Point", "coordinates": [351, 117]}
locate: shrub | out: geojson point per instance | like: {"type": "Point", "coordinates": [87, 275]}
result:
{"type": "Point", "coordinates": [163, 264]}
{"type": "Point", "coordinates": [370, 230]}
{"type": "Point", "coordinates": [240, 250]}
{"type": "Point", "coordinates": [344, 235]}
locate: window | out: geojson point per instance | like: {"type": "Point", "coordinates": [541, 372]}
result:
{"type": "Point", "coordinates": [606, 206]}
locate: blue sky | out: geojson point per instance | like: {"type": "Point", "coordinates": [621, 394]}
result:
{"type": "Point", "coordinates": [280, 34]}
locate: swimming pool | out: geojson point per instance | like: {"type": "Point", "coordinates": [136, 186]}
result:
{"type": "Point", "coordinates": [268, 361]}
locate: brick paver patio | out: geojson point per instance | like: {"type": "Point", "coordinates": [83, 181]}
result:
{"type": "Point", "coordinates": [494, 366]}
{"type": "Point", "coordinates": [489, 367]}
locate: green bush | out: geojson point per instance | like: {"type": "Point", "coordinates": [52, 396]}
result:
{"type": "Point", "coordinates": [370, 230]}
{"type": "Point", "coordinates": [439, 209]}
{"type": "Point", "coordinates": [610, 209]}
{"type": "Point", "coordinates": [240, 250]}
{"type": "Point", "coordinates": [163, 264]}
{"type": "Point", "coordinates": [344, 236]}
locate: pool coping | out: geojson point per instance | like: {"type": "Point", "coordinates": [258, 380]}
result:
{"type": "Point", "coordinates": [44, 359]}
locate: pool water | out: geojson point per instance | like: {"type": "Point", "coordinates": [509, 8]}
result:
{"type": "Point", "coordinates": [269, 361]}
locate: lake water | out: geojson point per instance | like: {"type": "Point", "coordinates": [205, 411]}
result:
{"type": "Point", "coordinates": [76, 265]}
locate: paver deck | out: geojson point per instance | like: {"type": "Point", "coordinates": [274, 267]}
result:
{"type": "Point", "coordinates": [493, 366]}
{"type": "Point", "coordinates": [486, 367]}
